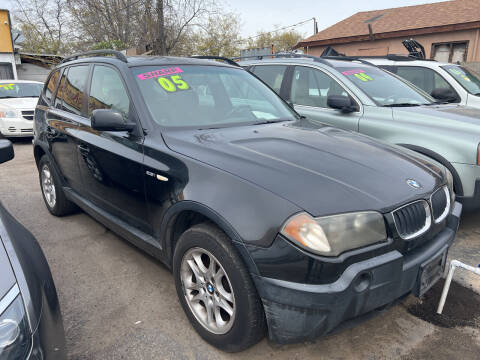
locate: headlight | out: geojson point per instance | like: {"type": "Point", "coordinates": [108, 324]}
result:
{"type": "Point", "coordinates": [15, 339]}
{"type": "Point", "coordinates": [8, 113]}
{"type": "Point", "coordinates": [333, 235]}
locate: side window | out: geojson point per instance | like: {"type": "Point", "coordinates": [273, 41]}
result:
{"type": "Point", "coordinates": [107, 91]}
{"type": "Point", "coordinates": [61, 87]}
{"type": "Point", "coordinates": [271, 74]}
{"type": "Point", "coordinates": [52, 83]}
{"type": "Point", "coordinates": [311, 87]}
{"type": "Point", "coordinates": [74, 89]}
{"type": "Point", "coordinates": [426, 79]}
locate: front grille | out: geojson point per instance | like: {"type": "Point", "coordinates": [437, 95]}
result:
{"type": "Point", "coordinates": [440, 201]}
{"type": "Point", "coordinates": [28, 114]}
{"type": "Point", "coordinates": [26, 130]}
{"type": "Point", "coordinates": [413, 219]}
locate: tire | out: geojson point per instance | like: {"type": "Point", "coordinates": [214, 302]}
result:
{"type": "Point", "coordinates": [246, 325]}
{"type": "Point", "coordinates": [57, 204]}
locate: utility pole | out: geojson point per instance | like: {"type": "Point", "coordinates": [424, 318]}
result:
{"type": "Point", "coordinates": [315, 26]}
{"type": "Point", "coordinates": [160, 45]}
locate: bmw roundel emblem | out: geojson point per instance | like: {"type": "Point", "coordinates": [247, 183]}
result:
{"type": "Point", "coordinates": [414, 184]}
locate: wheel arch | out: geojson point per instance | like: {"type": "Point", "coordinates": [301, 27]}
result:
{"type": "Point", "coordinates": [457, 182]}
{"type": "Point", "coordinates": [184, 215]}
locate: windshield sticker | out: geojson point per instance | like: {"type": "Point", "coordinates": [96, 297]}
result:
{"type": "Point", "coordinates": [160, 72]}
{"type": "Point", "coordinates": [359, 74]}
{"type": "Point", "coordinates": [172, 84]}
{"type": "Point", "coordinates": [465, 77]}
{"type": "Point", "coordinates": [363, 77]}
{"type": "Point", "coordinates": [353, 72]}
{"type": "Point", "coordinates": [7, 86]}
{"type": "Point", "coordinates": [456, 71]}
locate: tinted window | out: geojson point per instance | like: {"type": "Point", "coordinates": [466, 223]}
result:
{"type": "Point", "coordinates": [425, 78]}
{"type": "Point", "coordinates": [74, 89]}
{"type": "Point", "coordinates": [52, 83]}
{"type": "Point", "coordinates": [61, 87]}
{"type": "Point", "coordinates": [107, 91]}
{"type": "Point", "coordinates": [208, 96]}
{"type": "Point", "coordinates": [272, 75]}
{"type": "Point", "coordinates": [311, 87]}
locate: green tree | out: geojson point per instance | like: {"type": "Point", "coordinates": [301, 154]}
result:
{"type": "Point", "coordinates": [219, 36]}
{"type": "Point", "coordinates": [281, 40]}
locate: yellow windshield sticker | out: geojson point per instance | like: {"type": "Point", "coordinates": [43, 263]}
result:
{"type": "Point", "coordinates": [7, 86]}
{"type": "Point", "coordinates": [362, 76]}
{"type": "Point", "coordinates": [173, 83]}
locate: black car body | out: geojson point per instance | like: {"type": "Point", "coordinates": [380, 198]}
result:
{"type": "Point", "coordinates": [163, 187]}
{"type": "Point", "coordinates": [30, 319]}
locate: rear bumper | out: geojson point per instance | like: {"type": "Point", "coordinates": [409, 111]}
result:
{"type": "Point", "coordinates": [298, 312]}
{"type": "Point", "coordinates": [16, 127]}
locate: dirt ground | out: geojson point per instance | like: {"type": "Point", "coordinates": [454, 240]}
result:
{"type": "Point", "coordinates": [119, 303]}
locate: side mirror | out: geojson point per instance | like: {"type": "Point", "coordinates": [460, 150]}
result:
{"type": "Point", "coordinates": [109, 120]}
{"type": "Point", "coordinates": [6, 151]}
{"type": "Point", "coordinates": [444, 94]}
{"type": "Point", "coordinates": [342, 103]}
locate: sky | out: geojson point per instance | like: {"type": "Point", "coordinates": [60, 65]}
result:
{"type": "Point", "coordinates": [265, 15]}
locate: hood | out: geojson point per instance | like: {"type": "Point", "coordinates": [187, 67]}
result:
{"type": "Point", "coordinates": [7, 279]}
{"type": "Point", "coordinates": [27, 103]}
{"type": "Point", "coordinates": [321, 169]}
{"type": "Point", "coordinates": [464, 116]}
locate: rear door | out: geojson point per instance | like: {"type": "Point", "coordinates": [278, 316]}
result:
{"type": "Point", "coordinates": [63, 120]}
{"type": "Point", "coordinates": [111, 163]}
{"type": "Point", "coordinates": [309, 90]}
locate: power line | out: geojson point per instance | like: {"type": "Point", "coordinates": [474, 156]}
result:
{"type": "Point", "coordinates": [276, 30]}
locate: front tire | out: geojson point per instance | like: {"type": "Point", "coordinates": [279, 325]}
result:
{"type": "Point", "coordinates": [52, 190]}
{"type": "Point", "coordinates": [216, 291]}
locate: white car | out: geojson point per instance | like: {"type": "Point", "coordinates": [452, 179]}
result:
{"type": "Point", "coordinates": [444, 81]}
{"type": "Point", "coordinates": [18, 99]}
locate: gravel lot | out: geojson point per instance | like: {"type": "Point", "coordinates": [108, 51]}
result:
{"type": "Point", "coordinates": [119, 303]}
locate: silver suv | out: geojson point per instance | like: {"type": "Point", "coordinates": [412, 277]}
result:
{"type": "Point", "coordinates": [357, 96]}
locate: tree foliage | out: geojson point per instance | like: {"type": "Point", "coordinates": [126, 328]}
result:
{"type": "Point", "coordinates": [281, 40]}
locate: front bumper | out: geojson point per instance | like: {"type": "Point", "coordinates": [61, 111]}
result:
{"type": "Point", "coordinates": [16, 127]}
{"type": "Point", "coordinates": [298, 312]}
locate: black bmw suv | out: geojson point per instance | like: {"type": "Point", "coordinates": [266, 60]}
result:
{"type": "Point", "coordinates": [268, 221]}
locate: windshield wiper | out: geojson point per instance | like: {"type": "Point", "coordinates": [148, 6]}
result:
{"type": "Point", "coordinates": [402, 105]}
{"type": "Point", "coordinates": [262, 122]}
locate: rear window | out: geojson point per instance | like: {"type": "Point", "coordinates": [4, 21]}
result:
{"type": "Point", "coordinates": [207, 96]}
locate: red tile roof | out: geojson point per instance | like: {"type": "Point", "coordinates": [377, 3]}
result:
{"type": "Point", "coordinates": [405, 19]}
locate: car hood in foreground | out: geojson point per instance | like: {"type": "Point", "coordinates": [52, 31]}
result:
{"type": "Point", "coordinates": [321, 169]}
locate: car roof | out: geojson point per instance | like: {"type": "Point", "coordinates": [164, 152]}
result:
{"type": "Point", "coordinates": [133, 61]}
{"type": "Point", "coordinates": [424, 63]}
{"type": "Point", "coordinates": [305, 60]}
{"type": "Point", "coordinates": [21, 81]}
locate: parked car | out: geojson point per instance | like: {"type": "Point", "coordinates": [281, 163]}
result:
{"type": "Point", "coordinates": [443, 81]}
{"type": "Point", "coordinates": [266, 219]}
{"type": "Point", "coordinates": [18, 99]}
{"type": "Point", "coordinates": [356, 96]}
{"type": "Point", "coordinates": [30, 319]}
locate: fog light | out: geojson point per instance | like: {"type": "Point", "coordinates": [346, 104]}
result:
{"type": "Point", "coordinates": [362, 282]}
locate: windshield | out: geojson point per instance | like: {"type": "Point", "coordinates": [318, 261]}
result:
{"type": "Point", "coordinates": [469, 80]}
{"type": "Point", "coordinates": [384, 88]}
{"type": "Point", "coordinates": [19, 90]}
{"type": "Point", "coordinates": [208, 96]}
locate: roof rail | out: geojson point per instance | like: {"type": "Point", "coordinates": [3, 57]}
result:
{"type": "Point", "coordinates": [119, 55]}
{"type": "Point", "coordinates": [393, 57]}
{"type": "Point", "coordinates": [288, 55]}
{"type": "Point", "coordinates": [207, 57]}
